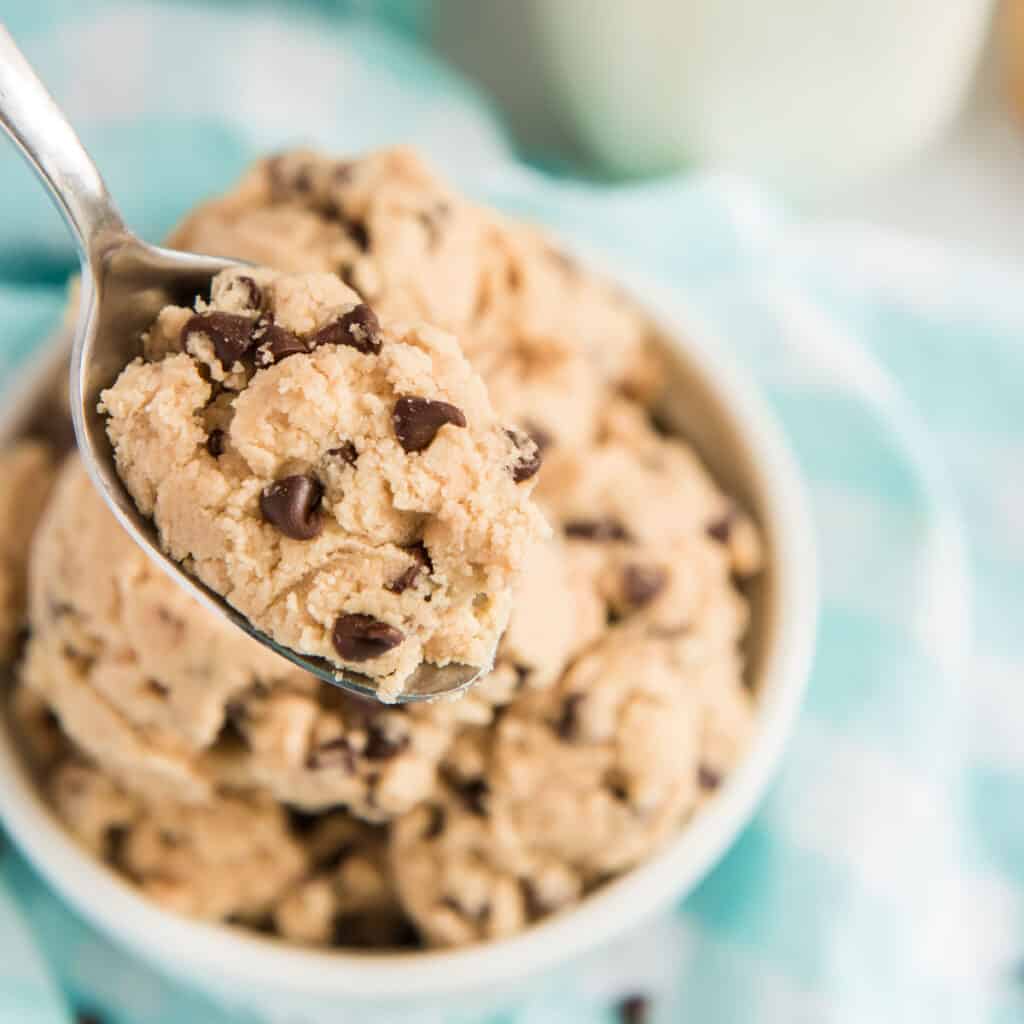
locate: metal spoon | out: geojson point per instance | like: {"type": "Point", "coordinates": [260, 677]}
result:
{"type": "Point", "coordinates": [125, 283]}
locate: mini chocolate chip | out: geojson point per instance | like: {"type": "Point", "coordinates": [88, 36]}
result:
{"type": "Point", "coordinates": [215, 442]}
{"type": "Point", "coordinates": [634, 1010]}
{"type": "Point", "coordinates": [532, 902]}
{"type": "Point", "coordinates": [417, 421]}
{"type": "Point", "coordinates": [156, 688]}
{"type": "Point", "coordinates": [596, 529]}
{"type": "Point", "coordinates": [522, 674]}
{"type": "Point", "coordinates": [230, 333]}
{"type": "Point", "coordinates": [359, 328]}
{"type": "Point", "coordinates": [346, 451]}
{"type": "Point", "coordinates": [708, 777]}
{"type": "Point", "coordinates": [528, 456]}
{"type": "Point", "coordinates": [360, 637]}
{"type": "Point", "coordinates": [292, 504]}
{"type": "Point", "coordinates": [568, 721]}
{"type": "Point", "coordinates": [334, 753]}
{"type": "Point", "coordinates": [114, 843]}
{"type": "Point", "coordinates": [301, 823]}
{"type": "Point", "coordinates": [380, 746]}
{"type": "Point", "coordinates": [358, 232]}
{"type": "Point", "coordinates": [474, 794]}
{"type": "Point", "coordinates": [254, 293]}
{"type": "Point", "coordinates": [419, 551]}
{"type": "Point", "coordinates": [404, 580]}
{"type": "Point", "coordinates": [277, 343]}
{"type": "Point", "coordinates": [721, 529]}
{"type": "Point", "coordinates": [641, 584]}
{"type": "Point", "coordinates": [435, 826]}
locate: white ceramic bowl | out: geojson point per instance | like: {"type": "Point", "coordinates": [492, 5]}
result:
{"type": "Point", "coordinates": [715, 406]}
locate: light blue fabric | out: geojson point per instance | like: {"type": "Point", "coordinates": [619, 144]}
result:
{"type": "Point", "coordinates": [883, 877]}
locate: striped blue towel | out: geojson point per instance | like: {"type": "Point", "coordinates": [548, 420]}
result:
{"type": "Point", "coordinates": [883, 878]}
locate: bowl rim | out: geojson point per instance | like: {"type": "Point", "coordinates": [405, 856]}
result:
{"type": "Point", "coordinates": [195, 951]}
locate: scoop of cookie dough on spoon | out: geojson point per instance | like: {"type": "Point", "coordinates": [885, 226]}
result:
{"type": "Point", "coordinates": [347, 488]}
{"type": "Point", "coordinates": [125, 285]}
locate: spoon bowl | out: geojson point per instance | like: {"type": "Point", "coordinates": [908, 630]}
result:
{"type": "Point", "coordinates": [125, 283]}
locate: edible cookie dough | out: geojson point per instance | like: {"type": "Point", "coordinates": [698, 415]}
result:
{"type": "Point", "coordinates": [347, 487]}
{"type": "Point", "coordinates": [617, 705]}
{"type": "Point", "coordinates": [26, 476]}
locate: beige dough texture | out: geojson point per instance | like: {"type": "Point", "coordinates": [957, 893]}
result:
{"type": "Point", "coordinates": [348, 488]}
{"type": "Point", "coordinates": [617, 706]}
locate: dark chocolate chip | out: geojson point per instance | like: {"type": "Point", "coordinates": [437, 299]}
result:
{"type": "Point", "coordinates": [358, 232]}
{"type": "Point", "coordinates": [335, 753]}
{"type": "Point", "coordinates": [417, 421]}
{"type": "Point", "coordinates": [230, 333]}
{"type": "Point", "coordinates": [359, 328]}
{"type": "Point", "coordinates": [380, 746]}
{"type": "Point", "coordinates": [634, 1010]}
{"type": "Point", "coordinates": [346, 451]}
{"type": "Point", "coordinates": [292, 504]}
{"type": "Point", "coordinates": [360, 637]}
{"type": "Point", "coordinates": [404, 580]}
{"type": "Point", "coordinates": [215, 442]}
{"type": "Point", "coordinates": [254, 293]}
{"type": "Point", "coordinates": [528, 455]}
{"type": "Point", "coordinates": [301, 823]}
{"type": "Point", "coordinates": [435, 826]}
{"type": "Point", "coordinates": [277, 343]}
{"type": "Point", "coordinates": [474, 794]}
{"type": "Point", "coordinates": [596, 529]}
{"type": "Point", "coordinates": [721, 529]}
{"type": "Point", "coordinates": [156, 688]}
{"type": "Point", "coordinates": [708, 777]}
{"type": "Point", "coordinates": [641, 584]}
{"type": "Point", "coordinates": [422, 555]}
{"type": "Point", "coordinates": [113, 844]}
{"type": "Point", "coordinates": [568, 721]}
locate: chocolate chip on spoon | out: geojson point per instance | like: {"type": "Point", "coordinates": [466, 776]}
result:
{"type": "Point", "coordinates": [230, 333]}
{"type": "Point", "coordinates": [277, 343]}
{"type": "Point", "coordinates": [359, 637]}
{"type": "Point", "coordinates": [417, 420]}
{"type": "Point", "coordinates": [528, 455]}
{"type": "Point", "coordinates": [346, 451]}
{"type": "Point", "coordinates": [359, 328]}
{"type": "Point", "coordinates": [292, 504]}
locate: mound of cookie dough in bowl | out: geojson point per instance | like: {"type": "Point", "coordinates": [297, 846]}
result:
{"type": "Point", "coordinates": [347, 487]}
{"type": "Point", "coordinates": [312, 457]}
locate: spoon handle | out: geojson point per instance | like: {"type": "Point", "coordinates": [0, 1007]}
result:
{"type": "Point", "coordinates": [33, 120]}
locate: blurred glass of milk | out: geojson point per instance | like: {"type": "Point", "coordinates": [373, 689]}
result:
{"type": "Point", "coordinates": [810, 95]}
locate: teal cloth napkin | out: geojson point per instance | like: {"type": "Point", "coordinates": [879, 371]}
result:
{"type": "Point", "coordinates": [883, 877]}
